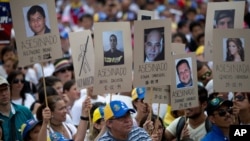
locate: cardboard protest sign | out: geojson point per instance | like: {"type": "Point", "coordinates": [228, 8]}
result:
{"type": "Point", "coordinates": [5, 22]}
{"type": "Point", "coordinates": [83, 58]}
{"type": "Point", "coordinates": [184, 90]}
{"type": "Point", "coordinates": [113, 51]}
{"type": "Point", "coordinates": [231, 68]}
{"type": "Point", "coordinates": [145, 15]}
{"type": "Point", "coordinates": [152, 53]}
{"type": "Point", "coordinates": [225, 15]}
{"type": "Point", "coordinates": [158, 94]}
{"type": "Point", "coordinates": [36, 31]}
{"type": "Point", "coordinates": [178, 48]}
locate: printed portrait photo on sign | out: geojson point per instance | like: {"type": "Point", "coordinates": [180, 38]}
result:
{"type": "Point", "coordinates": [154, 44]}
{"type": "Point", "coordinates": [233, 50]}
{"type": "Point", "coordinates": [184, 76]}
{"type": "Point", "coordinates": [113, 48]}
{"type": "Point", "coordinates": [224, 19]}
{"type": "Point", "coordinates": [36, 20]}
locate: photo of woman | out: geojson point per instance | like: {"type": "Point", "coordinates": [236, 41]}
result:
{"type": "Point", "coordinates": [234, 50]}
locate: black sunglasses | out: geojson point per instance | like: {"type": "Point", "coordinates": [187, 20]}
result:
{"type": "Point", "coordinates": [223, 112]}
{"type": "Point", "coordinates": [205, 75]}
{"type": "Point", "coordinates": [239, 97]}
{"type": "Point", "coordinates": [15, 81]}
{"type": "Point", "coordinates": [63, 70]}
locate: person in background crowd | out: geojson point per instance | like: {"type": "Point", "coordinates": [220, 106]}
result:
{"type": "Point", "coordinates": [30, 130]}
{"type": "Point", "coordinates": [13, 115]}
{"type": "Point", "coordinates": [158, 130]}
{"type": "Point", "coordinates": [204, 73]}
{"type": "Point", "coordinates": [63, 70]}
{"type": "Point", "coordinates": [17, 89]}
{"type": "Point", "coordinates": [219, 112]}
{"type": "Point", "coordinates": [142, 108]}
{"type": "Point", "coordinates": [241, 103]}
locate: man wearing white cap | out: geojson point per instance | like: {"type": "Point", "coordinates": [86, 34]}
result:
{"type": "Point", "coordinates": [13, 115]}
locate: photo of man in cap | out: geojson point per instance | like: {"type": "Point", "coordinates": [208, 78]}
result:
{"type": "Point", "coordinates": [224, 19]}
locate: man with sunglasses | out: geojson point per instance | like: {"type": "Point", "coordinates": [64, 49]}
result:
{"type": "Point", "coordinates": [204, 72]}
{"type": "Point", "coordinates": [119, 124]}
{"type": "Point", "coordinates": [219, 112]}
{"type": "Point", "coordinates": [13, 115]}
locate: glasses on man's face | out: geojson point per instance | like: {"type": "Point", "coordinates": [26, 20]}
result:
{"type": "Point", "coordinates": [223, 112]}
{"type": "Point", "coordinates": [16, 81]}
{"type": "Point", "coordinates": [63, 70]}
{"type": "Point", "coordinates": [239, 97]}
{"type": "Point", "coordinates": [205, 75]}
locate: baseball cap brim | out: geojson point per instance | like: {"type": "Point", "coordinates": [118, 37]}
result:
{"type": "Point", "coordinates": [123, 112]}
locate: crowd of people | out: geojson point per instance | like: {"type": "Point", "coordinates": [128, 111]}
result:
{"type": "Point", "coordinates": [41, 101]}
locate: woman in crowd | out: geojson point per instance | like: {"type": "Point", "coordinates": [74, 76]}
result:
{"type": "Point", "coordinates": [18, 95]}
{"type": "Point", "coordinates": [58, 127]}
{"type": "Point", "coordinates": [158, 129]}
{"type": "Point", "coordinates": [63, 70]}
{"type": "Point", "coordinates": [241, 107]}
{"type": "Point", "coordinates": [235, 51]}
{"type": "Point", "coordinates": [70, 89]}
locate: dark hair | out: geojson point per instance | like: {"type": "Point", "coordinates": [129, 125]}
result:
{"type": "Point", "coordinates": [238, 44]}
{"type": "Point", "coordinates": [153, 119]}
{"type": "Point", "coordinates": [113, 35]}
{"type": "Point", "coordinates": [10, 80]}
{"type": "Point", "coordinates": [52, 100]}
{"type": "Point", "coordinates": [68, 85]}
{"type": "Point", "coordinates": [50, 91]}
{"type": "Point", "coordinates": [223, 14]}
{"type": "Point", "coordinates": [181, 24]}
{"type": "Point", "coordinates": [199, 37]}
{"type": "Point", "coordinates": [182, 61]}
{"type": "Point", "coordinates": [34, 9]}
{"type": "Point", "coordinates": [193, 25]}
{"type": "Point", "coordinates": [200, 64]}
{"type": "Point", "coordinates": [203, 94]}
{"type": "Point", "coordinates": [181, 35]}
{"type": "Point", "coordinates": [49, 81]}
{"type": "Point", "coordinates": [5, 50]}
{"type": "Point", "coordinates": [88, 16]}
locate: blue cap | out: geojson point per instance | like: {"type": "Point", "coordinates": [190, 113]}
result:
{"type": "Point", "coordinates": [28, 126]}
{"type": "Point", "coordinates": [138, 93]}
{"type": "Point", "coordinates": [116, 109]}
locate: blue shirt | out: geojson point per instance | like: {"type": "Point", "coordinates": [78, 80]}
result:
{"type": "Point", "coordinates": [21, 115]}
{"type": "Point", "coordinates": [215, 135]}
{"type": "Point", "coordinates": [136, 134]}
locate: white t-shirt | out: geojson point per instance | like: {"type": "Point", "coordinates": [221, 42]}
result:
{"type": "Point", "coordinates": [29, 100]}
{"type": "Point", "coordinates": [196, 134]}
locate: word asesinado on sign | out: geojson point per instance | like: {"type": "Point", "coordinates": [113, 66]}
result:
{"type": "Point", "coordinates": [39, 42]}
{"type": "Point", "coordinates": [109, 72]}
{"type": "Point", "coordinates": [179, 95]}
{"type": "Point", "coordinates": [152, 67]}
{"type": "Point", "coordinates": [232, 68]}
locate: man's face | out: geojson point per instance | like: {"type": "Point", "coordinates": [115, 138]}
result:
{"type": "Point", "coordinates": [153, 45]}
{"type": "Point", "coordinates": [120, 126]}
{"type": "Point", "coordinates": [4, 95]}
{"type": "Point", "coordinates": [113, 42]}
{"type": "Point", "coordinates": [225, 23]}
{"type": "Point", "coordinates": [204, 75]}
{"type": "Point", "coordinates": [184, 73]}
{"type": "Point", "coordinates": [37, 23]}
{"type": "Point", "coordinates": [222, 117]}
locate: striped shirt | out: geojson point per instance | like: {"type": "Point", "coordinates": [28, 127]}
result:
{"type": "Point", "coordinates": [136, 134]}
